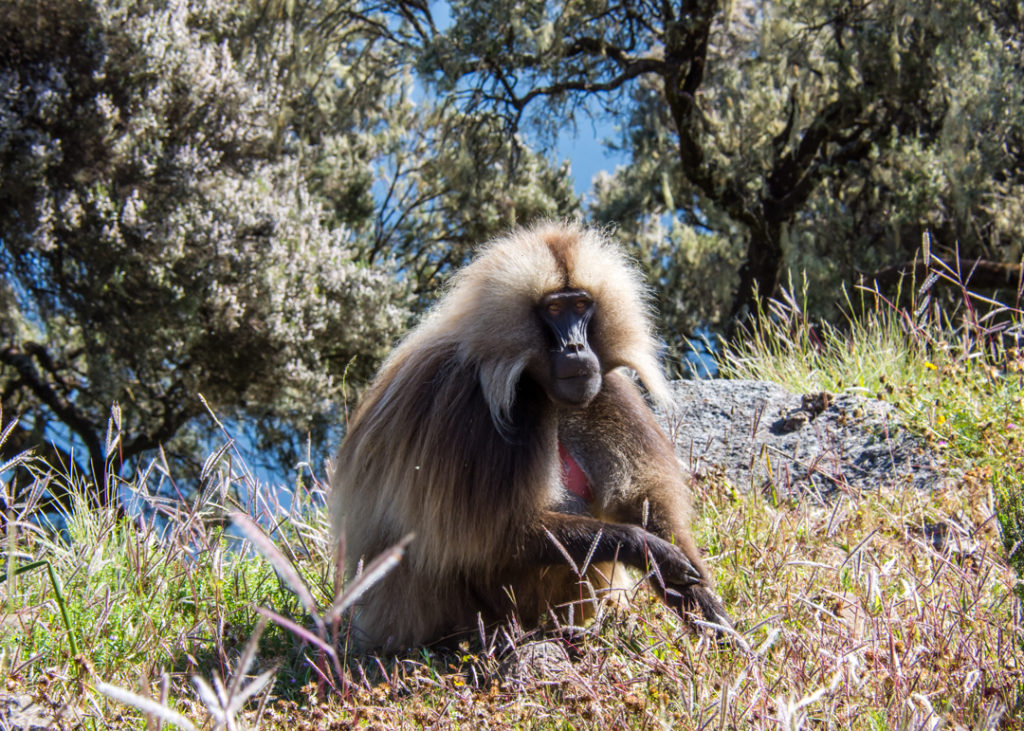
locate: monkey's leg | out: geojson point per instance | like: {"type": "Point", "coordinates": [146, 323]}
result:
{"type": "Point", "coordinates": [634, 471]}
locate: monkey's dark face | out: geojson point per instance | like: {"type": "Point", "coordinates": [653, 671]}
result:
{"type": "Point", "coordinates": [573, 370]}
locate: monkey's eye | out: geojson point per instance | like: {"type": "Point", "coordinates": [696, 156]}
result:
{"type": "Point", "coordinates": [555, 308]}
{"type": "Point", "coordinates": [581, 305]}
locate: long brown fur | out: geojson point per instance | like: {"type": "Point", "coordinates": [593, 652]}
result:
{"type": "Point", "coordinates": [455, 442]}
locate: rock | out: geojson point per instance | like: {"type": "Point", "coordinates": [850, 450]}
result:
{"type": "Point", "coordinates": [22, 712]}
{"type": "Point", "coordinates": [760, 436]}
{"type": "Point", "coordinates": [543, 660]}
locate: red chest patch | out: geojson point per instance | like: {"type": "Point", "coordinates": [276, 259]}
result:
{"type": "Point", "coordinates": [572, 476]}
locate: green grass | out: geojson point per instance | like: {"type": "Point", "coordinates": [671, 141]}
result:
{"type": "Point", "coordinates": [856, 616]}
{"type": "Point", "coordinates": [141, 605]}
{"type": "Point", "coordinates": [950, 372]}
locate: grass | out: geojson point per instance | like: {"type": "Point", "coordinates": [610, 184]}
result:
{"type": "Point", "coordinates": [955, 375]}
{"type": "Point", "coordinates": [886, 609]}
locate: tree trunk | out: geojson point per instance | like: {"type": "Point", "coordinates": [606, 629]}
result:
{"type": "Point", "coordinates": [759, 274]}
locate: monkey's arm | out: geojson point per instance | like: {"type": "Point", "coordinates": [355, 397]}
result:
{"type": "Point", "coordinates": [581, 538]}
{"type": "Point", "coordinates": [637, 481]}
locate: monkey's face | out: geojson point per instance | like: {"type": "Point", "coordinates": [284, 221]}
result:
{"type": "Point", "coordinates": [572, 373]}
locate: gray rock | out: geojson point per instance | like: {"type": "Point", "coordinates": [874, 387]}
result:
{"type": "Point", "coordinates": [760, 436]}
{"type": "Point", "coordinates": [545, 661]}
{"type": "Point", "coordinates": [22, 712]}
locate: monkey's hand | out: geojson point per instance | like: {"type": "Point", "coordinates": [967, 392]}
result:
{"type": "Point", "coordinates": [698, 602]}
{"type": "Point", "coordinates": [582, 540]}
{"type": "Point", "coordinates": [684, 588]}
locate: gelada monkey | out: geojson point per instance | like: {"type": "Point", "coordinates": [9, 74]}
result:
{"type": "Point", "coordinates": [503, 433]}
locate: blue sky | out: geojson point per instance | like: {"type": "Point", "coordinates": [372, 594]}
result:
{"type": "Point", "coordinates": [580, 145]}
{"type": "Point", "coordinates": [584, 149]}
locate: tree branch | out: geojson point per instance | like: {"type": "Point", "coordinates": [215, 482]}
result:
{"type": "Point", "coordinates": [636, 68]}
{"type": "Point", "coordinates": [22, 361]}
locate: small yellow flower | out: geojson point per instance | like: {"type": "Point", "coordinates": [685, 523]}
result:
{"type": "Point", "coordinates": [930, 366]}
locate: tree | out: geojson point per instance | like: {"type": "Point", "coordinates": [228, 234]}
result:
{"type": "Point", "coordinates": [160, 232]}
{"type": "Point", "coordinates": [420, 181]}
{"type": "Point", "coordinates": [821, 134]}
{"type": "Point", "coordinates": [453, 182]}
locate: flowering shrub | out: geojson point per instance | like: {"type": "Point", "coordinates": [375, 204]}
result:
{"type": "Point", "coordinates": [159, 234]}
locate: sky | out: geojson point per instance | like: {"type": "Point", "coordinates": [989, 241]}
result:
{"type": "Point", "coordinates": [583, 148]}
{"type": "Point", "coordinates": [580, 145]}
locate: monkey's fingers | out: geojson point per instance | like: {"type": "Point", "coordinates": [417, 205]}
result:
{"type": "Point", "coordinates": [699, 605]}
{"type": "Point", "coordinates": [670, 566]}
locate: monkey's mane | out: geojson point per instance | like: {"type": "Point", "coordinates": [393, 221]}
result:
{"type": "Point", "coordinates": [450, 399]}
{"type": "Point", "coordinates": [488, 309]}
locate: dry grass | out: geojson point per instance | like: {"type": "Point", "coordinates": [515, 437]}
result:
{"type": "Point", "coordinates": [889, 609]}
{"type": "Point", "coordinates": [857, 615]}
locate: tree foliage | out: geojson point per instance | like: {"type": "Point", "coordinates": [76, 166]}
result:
{"type": "Point", "coordinates": [239, 201]}
{"type": "Point", "coordinates": [817, 134]}
{"type": "Point", "coordinates": [159, 232]}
